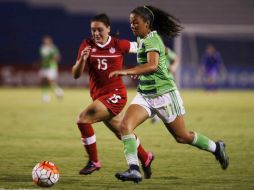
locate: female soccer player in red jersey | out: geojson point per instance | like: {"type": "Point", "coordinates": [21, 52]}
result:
{"type": "Point", "coordinates": [102, 54]}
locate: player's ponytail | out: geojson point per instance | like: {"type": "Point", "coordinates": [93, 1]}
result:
{"type": "Point", "coordinates": [164, 23]}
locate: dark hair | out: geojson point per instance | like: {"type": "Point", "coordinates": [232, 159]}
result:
{"type": "Point", "coordinates": [164, 23]}
{"type": "Point", "coordinates": [101, 18]}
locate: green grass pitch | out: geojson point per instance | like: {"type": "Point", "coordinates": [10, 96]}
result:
{"type": "Point", "coordinates": [33, 131]}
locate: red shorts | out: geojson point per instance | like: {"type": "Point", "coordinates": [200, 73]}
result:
{"type": "Point", "coordinates": [115, 100]}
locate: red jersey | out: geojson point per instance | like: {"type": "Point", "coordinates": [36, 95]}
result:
{"type": "Point", "coordinates": [102, 60]}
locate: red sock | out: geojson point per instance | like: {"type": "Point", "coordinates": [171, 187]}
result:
{"type": "Point", "coordinates": [89, 140]}
{"type": "Point", "coordinates": [142, 154]}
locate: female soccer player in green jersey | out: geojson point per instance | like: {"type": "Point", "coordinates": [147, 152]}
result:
{"type": "Point", "coordinates": [48, 73]}
{"type": "Point", "coordinates": [157, 91]}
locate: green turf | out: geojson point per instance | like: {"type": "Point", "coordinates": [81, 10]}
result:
{"type": "Point", "coordinates": [32, 131]}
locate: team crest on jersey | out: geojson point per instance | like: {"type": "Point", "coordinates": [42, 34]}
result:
{"type": "Point", "coordinates": [94, 50]}
{"type": "Point", "coordinates": [112, 50]}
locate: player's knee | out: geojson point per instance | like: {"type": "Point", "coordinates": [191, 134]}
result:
{"type": "Point", "coordinates": [82, 118]}
{"type": "Point", "coordinates": [125, 128]}
{"type": "Point", "coordinates": [179, 140]}
{"type": "Point", "coordinates": [183, 139]}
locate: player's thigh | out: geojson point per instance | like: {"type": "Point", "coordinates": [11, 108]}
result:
{"type": "Point", "coordinates": [95, 112]}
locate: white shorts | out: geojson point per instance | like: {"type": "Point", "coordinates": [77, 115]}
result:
{"type": "Point", "coordinates": [49, 73]}
{"type": "Point", "coordinates": [167, 106]}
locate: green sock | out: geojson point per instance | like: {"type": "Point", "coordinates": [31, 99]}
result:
{"type": "Point", "coordinates": [130, 149]}
{"type": "Point", "coordinates": [203, 142]}
{"type": "Point", "coordinates": [45, 89]}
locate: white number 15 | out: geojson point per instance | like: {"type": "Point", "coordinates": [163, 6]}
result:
{"type": "Point", "coordinates": [102, 64]}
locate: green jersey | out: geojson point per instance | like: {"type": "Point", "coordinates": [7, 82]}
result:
{"type": "Point", "coordinates": [161, 81]}
{"type": "Point", "coordinates": [48, 56]}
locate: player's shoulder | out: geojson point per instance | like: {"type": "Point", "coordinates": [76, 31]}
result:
{"type": "Point", "coordinates": [87, 41]}
{"type": "Point", "coordinates": [152, 35]}
{"type": "Point", "coordinates": [121, 44]}
{"type": "Point", "coordinates": [119, 41]}
{"type": "Point", "coordinates": [153, 38]}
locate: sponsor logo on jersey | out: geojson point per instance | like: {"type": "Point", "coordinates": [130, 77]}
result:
{"type": "Point", "coordinates": [94, 50]}
{"type": "Point", "coordinates": [112, 50]}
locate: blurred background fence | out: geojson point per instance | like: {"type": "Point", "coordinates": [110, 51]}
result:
{"type": "Point", "coordinates": [227, 24]}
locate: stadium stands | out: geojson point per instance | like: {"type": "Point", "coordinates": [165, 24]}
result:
{"type": "Point", "coordinates": [24, 22]}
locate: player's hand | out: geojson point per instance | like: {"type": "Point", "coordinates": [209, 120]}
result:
{"type": "Point", "coordinates": [134, 76]}
{"type": "Point", "coordinates": [117, 73]}
{"type": "Point", "coordinates": [85, 53]}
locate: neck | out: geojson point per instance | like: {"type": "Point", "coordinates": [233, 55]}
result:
{"type": "Point", "coordinates": [145, 34]}
{"type": "Point", "coordinates": [105, 41]}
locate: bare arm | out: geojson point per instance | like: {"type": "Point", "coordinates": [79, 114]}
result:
{"type": "Point", "coordinates": [57, 57]}
{"type": "Point", "coordinates": [80, 64]}
{"type": "Point", "coordinates": [149, 67]}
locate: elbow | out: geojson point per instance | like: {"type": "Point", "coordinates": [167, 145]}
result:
{"type": "Point", "coordinates": [75, 74]}
{"type": "Point", "coordinates": [153, 68]}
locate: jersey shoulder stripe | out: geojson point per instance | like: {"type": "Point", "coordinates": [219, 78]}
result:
{"type": "Point", "coordinates": [151, 34]}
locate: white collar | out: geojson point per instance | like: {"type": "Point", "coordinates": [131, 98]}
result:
{"type": "Point", "coordinates": [104, 45]}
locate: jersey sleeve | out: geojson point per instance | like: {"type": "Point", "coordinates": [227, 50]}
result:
{"type": "Point", "coordinates": [151, 44]}
{"type": "Point", "coordinates": [133, 47]}
{"type": "Point", "coordinates": [125, 46]}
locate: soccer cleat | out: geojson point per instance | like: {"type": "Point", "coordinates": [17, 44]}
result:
{"type": "Point", "coordinates": [46, 98]}
{"type": "Point", "coordinates": [129, 175]}
{"type": "Point", "coordinates": [59, 93]}
{"type": "Point", "coordinates": [147, 166]}
{"type": "Point", "coordinates": [221, 155]}
{"type": "Point", "coordinates": [90, 167]}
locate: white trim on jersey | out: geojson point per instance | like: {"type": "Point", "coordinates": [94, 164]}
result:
{"type": "Point", "coordinates": [152, 49]}
{"type": "Point", "coordinates": [133, 47]}
{"type": "Point", "coordinates": [105, 55]}
{"type": "Point", "coordinates": [104, 45]}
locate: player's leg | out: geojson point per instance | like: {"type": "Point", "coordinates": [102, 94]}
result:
{"type": "Point", "coordinates": [45, 75]}
{"type": "Point", "coordinates": [145, 157]}
{"type": "Point", "coordinates": [57, 90]}
{"type": "Point", "coordinates": [95, 112]}
{"type": "Point", "coordinates": [134, 116]}
{"type": "Point", "coordinates": [45, 85]}
{"type": "Point", "coordinates": [211, 83]}
{"type": "Point", "coordinates": [182, 135]}
{"type": "Point", "coordinates": [173, 119]}
{"type": "Point", "coordinates": [214, 85]}
{"type": "Point", "coordinates": [53, 74]}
